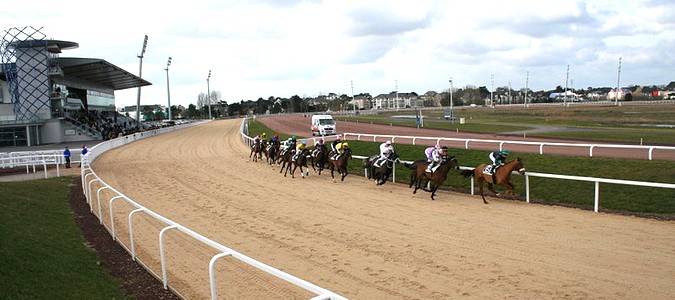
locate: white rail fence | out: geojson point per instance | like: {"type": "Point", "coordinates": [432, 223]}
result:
{"type": "Point", "coordinates": [527, 175]}
{"type": "Point", "coordinates": [94, 186]}
{"type": "Point", "coordinates": [32, 160]}
{"type": "Point", "coordinates": [649, 150]}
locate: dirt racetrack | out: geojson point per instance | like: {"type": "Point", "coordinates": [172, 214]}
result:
{"type": "Point", "coordinates": [370, 242]}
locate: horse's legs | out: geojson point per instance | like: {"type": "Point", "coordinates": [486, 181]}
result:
{"type": "Point", "coordinates": [491, 187]}
{"type": "Point", "coordinates": [480, 187]}
{"type": "Point", "coordinates": [344, 174]}
{"type": "Point", "coordinates": [434, 188]}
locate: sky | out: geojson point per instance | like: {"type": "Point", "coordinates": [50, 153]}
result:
{"type": "Point", "coordinates": [261, 48]}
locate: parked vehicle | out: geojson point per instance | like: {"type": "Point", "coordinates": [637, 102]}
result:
{"type": "Point", "coordinates": [323, 125]}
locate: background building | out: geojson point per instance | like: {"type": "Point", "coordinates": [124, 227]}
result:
{"type": "Point", "coordinates": [45, 98]}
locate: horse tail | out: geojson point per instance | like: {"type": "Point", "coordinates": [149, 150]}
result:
{"type": "Point", "coordinates": [467, 173]}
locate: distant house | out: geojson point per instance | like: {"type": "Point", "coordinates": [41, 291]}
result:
{"type": "Point", "coordinates": [394, 100]}
{"type": "Point", "coordinates": [361, 102]}
{"type": "Point", "coordinates": [621, 95]}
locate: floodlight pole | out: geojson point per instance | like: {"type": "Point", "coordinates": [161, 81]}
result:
{"type": "Point", "coordinates": [140, 72]}
{"type": "Point", "coordinates": [353, 100]}
{"type": "Point", "coordinates": [527, 81]}
{"type": "Point", "coordinates": [168, 92]}
{"type": "Point", "coordinates": [452, 113]}
{"type": "Point", "coordinates": [492, 88]}
{"type": "Point", "coordinates": [618, 85]}
{"type": "Point", "coordinates": [208, 93]}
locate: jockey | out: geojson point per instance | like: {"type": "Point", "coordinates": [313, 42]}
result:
{"type": "Point", "coordinates": [263, 136]}
{"type": "Point", "coordinates": [436, 157]}
{"type": "Point", "coordinates": [340, 148]}
{"type": "Point", "coordinates": [386, 149]}
{"type": "Point", "coordinates": [288, 144]}
{"type": "Point", "coordinates": [299, 148]}
{"type": "Point", "coordinates": [275, 138]}
{"type": "Point", "coordinates": [334, 147]}
{"type": "Point", "coordinates": [429, 152]}
{"type": "Point", "coordinates": [498, 159]}
{"type": "Point", "coordinates": [319, 144]}
{"type": "Point", "coordinates": [256, 139]}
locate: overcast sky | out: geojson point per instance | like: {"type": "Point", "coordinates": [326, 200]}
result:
{"type": "Point", "coordinates": [262, 48]}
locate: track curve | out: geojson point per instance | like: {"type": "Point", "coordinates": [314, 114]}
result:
{"type": "Point", "coordinates": [376, 242]}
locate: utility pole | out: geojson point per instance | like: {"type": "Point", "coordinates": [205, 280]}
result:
{"type": "Point", "coordinates": [208, 93]}
{"type": "Point", "coordinates": [527, 81]}
{"type": "Point", "coordinates": [452, 112]}
{"type": "Point", "coordinates": [396, 103]}
{"type": "Point", "coordinates": [566, 81]}
{"type": "Point", "coordinates": [168, 92]}
{"type": "Point", "coordinates": [353, 100]}
{"type": "Point", "coordinates": [140, 72]}
{"type": "Point", "coordinates": [492, 99]}
{"type": "Point", "coordinates": [618, 84]}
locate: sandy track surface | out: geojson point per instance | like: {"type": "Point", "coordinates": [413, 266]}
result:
{"type": "Point", "coordinates": [369, 242]}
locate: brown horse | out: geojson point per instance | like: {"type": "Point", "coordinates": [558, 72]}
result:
{"type": "Point", "coordinates": [320, 159]}
{"type": "Point", "coordinates": [299, 161]}
{"type": "Point", "coordinates": [284, 159]}
{"type": "Point", "coordinates": [271, 151]}
{"type": "Point", "coordinates": [257, 150]}
{"type": "Point", "coordinates": [436, 178]}
{"type": "Point", "coordinates": [501, 177]}
{"type": "Point", "coordinates": [341, 164]}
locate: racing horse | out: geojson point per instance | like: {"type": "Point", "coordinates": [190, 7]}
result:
{"type": "Point", "coordinates": [436, 178]}
{"type": "Point", "coordinates": [501, 177]}
{"type": "Point", "coordinates": [284, 159]}
{"type": "Point", "coordinates": [299, 160]}
{"type": "Point", "coordinates": [381, 174]}
{"type": "Point", "coordinates": [271, 151]}
{"type": "Point", "coordinates": [257, 150]}
{"type": "Point", "coordinates": [320, 158]}
{"type": "Point", "coordinates": [341, 164]}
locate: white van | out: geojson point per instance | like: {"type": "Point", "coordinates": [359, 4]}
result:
{"type": "Point", "coordinates": [323, 125]}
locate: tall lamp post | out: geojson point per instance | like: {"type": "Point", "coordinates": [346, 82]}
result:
{"type": "Point", "coordinates": [140, 72]}
{"type": "Point", "coordinates": [208, 93]}
{"type": "Point", "coordinates": [353, 100]}
{"type": "Point", "coordinates": [452, 113]}
{"type": "Point", "coordinates": [168, 92]}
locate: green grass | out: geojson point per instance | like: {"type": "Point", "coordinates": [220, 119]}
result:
{"type": "Point", "coordinates": [630, 124]}
{"type": "Point", "coordinates": [613, 197]}
{"type": "Point", "coordinates": [42, 252]}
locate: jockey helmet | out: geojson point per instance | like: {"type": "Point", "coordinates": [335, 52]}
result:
{"type": "Point", "coordinates": [293, 138]}
{"type": "Point", "coordinates": [304, 143]}
{"type": "Point", "coordinates": [320, 140]}
{"type": "Point", "coordinates": [276, 135]}
{"type": "Point", "coordinates": [345, 144]}
{"type": "Point", "coordinates": [290, 139]}
{"type": "Point", "coordinates": [338, 138]}
{"type": "Point", "coordinates": [388, 143]}
{"type": "Point", "coordinates": [505, 152]}
{"type": "Point", "coordinates": [437, 146]}
{"type": "Point", "coordinates": [263, 134]}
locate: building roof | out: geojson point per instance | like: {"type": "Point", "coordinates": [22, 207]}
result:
{"type": "Point", "coordinates": [101, 72]}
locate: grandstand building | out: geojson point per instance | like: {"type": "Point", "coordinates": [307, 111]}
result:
{"type": "Point", "coordinates": [45, 98]}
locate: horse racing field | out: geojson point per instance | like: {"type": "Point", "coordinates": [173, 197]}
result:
{"type": "Point", "coordinates": [371, 242]}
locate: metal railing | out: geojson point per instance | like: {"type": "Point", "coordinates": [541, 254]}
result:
{"type": "Point", "coordinates": [90, 178]}
{"type": "Point", "coordinates": [501, 143]}
{"type": "Point", "coordinates": [527, 175]}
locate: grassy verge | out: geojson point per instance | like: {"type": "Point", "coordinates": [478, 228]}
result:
{"type": "Point", "coordinates": [613, 197]}
{"type": "Point", "coordinates": [631, 124]}
{"type": "Point", "coordinates": [42, 252]}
